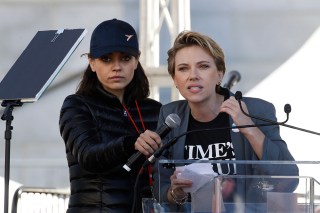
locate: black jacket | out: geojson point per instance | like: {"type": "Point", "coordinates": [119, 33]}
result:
{"type": "Point", "coordinates": [99, 139]}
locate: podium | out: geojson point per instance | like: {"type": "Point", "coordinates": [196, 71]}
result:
{"type": "Point", "coordinates": [279, 190]}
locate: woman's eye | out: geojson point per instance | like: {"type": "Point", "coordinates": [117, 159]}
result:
{"type": "Point", "coordinates": [105, 59]}
{"type": "Point", "coordinates": [182, 69]}
{"type": "Point", "coordinates": [204, 66]}
{"type": "Point", "coordinates": [126, 58]}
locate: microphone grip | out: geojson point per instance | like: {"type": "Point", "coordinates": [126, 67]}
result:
{"type": "Point", "coordinates": [131, 160]}
{"type": "Point", "coordinates": [155, 155]}
{"type": "Point", "coordinates": [163, 131]}
{"type": "Point", "coordinates": [158, 153]}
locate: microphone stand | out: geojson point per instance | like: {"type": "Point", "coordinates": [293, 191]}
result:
{"type": "Point", "coordinates": [135, 190]}
{"type": "Point", "coordinates": [7, 116]}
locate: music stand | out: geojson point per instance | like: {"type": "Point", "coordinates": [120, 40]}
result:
{"type": "Point", "coordinates": [31, 74]}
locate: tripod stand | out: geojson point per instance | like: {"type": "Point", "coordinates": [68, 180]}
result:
{"type": "Point", "coordinates": [31, 74]}
{"type": "Point", "coordinates": [7, 116]}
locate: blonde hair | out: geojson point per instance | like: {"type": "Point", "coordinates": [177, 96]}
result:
{"type": "Point", "coordinates": [191, 38]}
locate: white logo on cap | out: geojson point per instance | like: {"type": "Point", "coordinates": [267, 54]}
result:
{"type": "Point", "coordinates": [128, 37]}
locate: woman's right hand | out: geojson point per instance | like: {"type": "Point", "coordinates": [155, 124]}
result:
{"type": "Point", "coordinates": [177, 187]}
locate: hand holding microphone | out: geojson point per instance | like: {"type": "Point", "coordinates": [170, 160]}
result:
{"type": "Point", "coordinates": [232, 108]}
{"type": "Point", "coordinates": [172, 121]}
{"type": "Point", "coordinates": [148, 142]}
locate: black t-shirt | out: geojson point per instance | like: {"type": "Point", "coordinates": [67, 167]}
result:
{"type": "Point", "coordinates": [211, 145]}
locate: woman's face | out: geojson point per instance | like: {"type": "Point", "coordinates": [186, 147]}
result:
{"type": "Point", "coordinates": [114, 71]}
{"type": "Point", "coordinates": [196, 74]}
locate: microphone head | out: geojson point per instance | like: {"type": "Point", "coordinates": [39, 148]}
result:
{"type": "Point", "coordinates": [287, 108]}
{"type": "Point", "coordinates": [235, 74]}
{"type": "Point", "coordinates": [173, 120]}
{"type": "Point", "coordinates": [238, 95]}
{"type": "Point", "coordinates": [233, 78]}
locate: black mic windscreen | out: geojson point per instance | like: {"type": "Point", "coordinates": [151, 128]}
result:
{"type": "Point", "coordinates": [238, 95]}
{"type": "Point", "coordinates": [233, 78]}
{"type": "Point", "coordinates": [287, 108]}
{"type": "Point", "coordinates": [236, 75]}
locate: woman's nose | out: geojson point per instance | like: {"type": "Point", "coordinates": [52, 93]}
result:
{"type": "Point", "coordinates": [116, 66]}
{"type": "Point", "coordinates": [193, 74]}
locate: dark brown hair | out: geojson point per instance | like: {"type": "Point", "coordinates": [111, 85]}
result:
{"type": "Point", "coordinates": [137, 89]}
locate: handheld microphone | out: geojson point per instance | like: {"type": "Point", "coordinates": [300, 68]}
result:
{"type": "Point", "coordinates": [234, 77]}
{"type": "Point", "coordinates": [172, 121]}
{"type": "Point", "coordinates": [287, 109]}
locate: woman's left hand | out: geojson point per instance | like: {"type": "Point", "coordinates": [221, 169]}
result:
{"type": "Point", "coordinates": [231, 106]}
{"type": "Point", "coordinates": [253, 135]}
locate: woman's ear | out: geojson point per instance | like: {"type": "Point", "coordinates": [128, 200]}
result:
{"type": "Point", "coordinates": [175, 82]}
{"type": "Point", "coordinates": [92, 64]}
{"type": "Point", "coordinates": [221, 74]}
{"type": "Point", "coordinates": [137, 62]}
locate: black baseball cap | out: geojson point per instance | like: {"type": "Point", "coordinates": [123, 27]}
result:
{"type": "Point", "coordinates": [113, 36]}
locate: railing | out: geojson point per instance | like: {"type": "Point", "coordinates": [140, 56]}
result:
{"type": "Point", "coordinates": [44, 200]}
{"type": "Point", "coordinates": [40, 200]}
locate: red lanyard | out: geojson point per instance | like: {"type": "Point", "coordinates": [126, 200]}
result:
{"type": "Point", "coordinates": [131, 119]}
{"type": "Point", "coordinates": [137, 129]}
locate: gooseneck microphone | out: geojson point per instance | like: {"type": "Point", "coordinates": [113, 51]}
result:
{"type": "Point", "coordinates": [172, 121]}
{"type": "Point", "coordinates": [238, 96]}
{"type": "Point", "coordinates": [287, 109]}
{"type": "Point", "coordinates": [234, 78]}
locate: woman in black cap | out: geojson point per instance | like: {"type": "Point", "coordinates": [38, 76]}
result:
{"type": "Point", "coordinates": [102, 120]}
